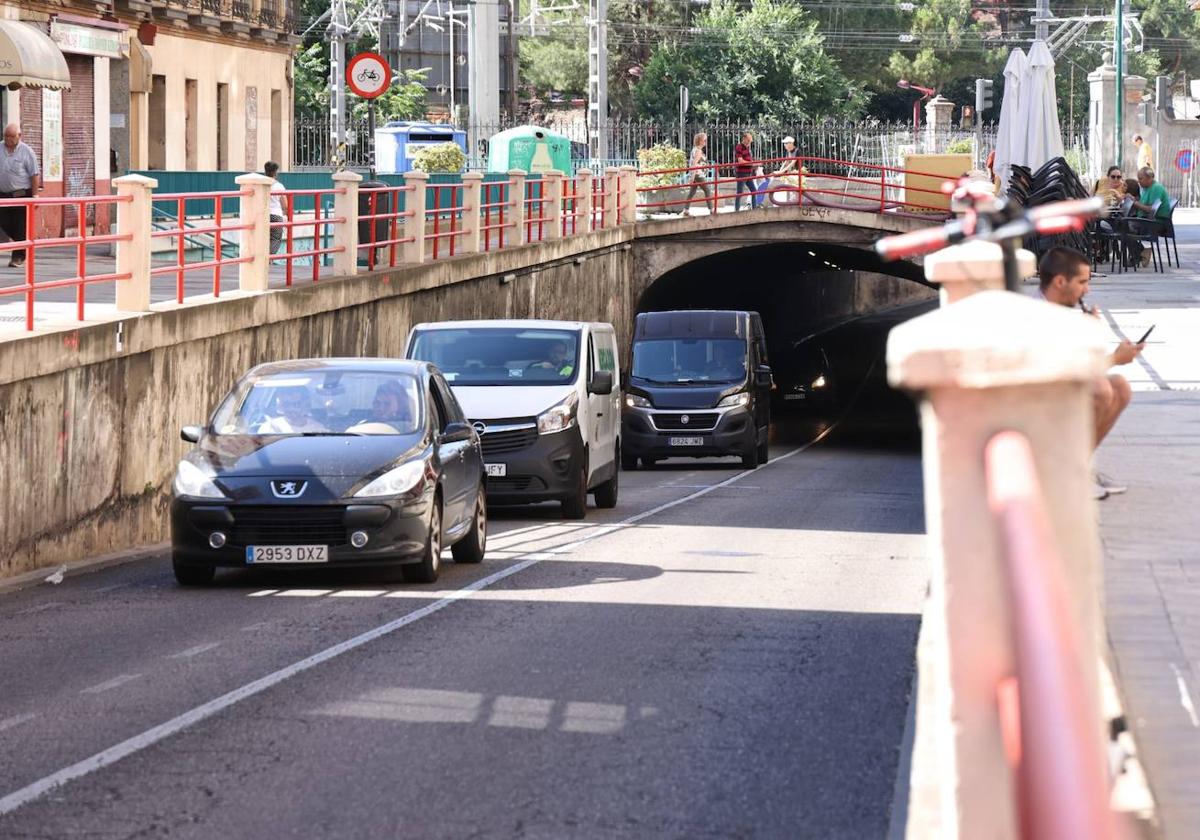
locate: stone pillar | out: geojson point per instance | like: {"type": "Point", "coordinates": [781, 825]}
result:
{"type": "Point", "coordinates": [471, 241]}
{"type": "Point", "coordinates": [414, 222]}
{"type": "Point", "coordinates": [345, 234]}
{"type": "Point", "coordinates": [1102, 87]}
{"type": "Point", "coordinates": [583, 201]}
{"type": "Point", "coordinates": [990, 362]}
{"type": "Point", "coordinates": [256, 242]}
{"type": "Point", "coordinates": [133, 257]}
{"type": "Point", "coordinates": [1135, 91]}
{"type": "Point", "coordinates": [963, 270]}
{"type": "Point", "coordinates": [629, 194]}
{"type": "Point", "coordinates": [552, 202]}
{"type": "Point", "coordinates": [609, 217]}
{"type": "Point", "coordinates": [515, 217]}
{"type": "Point", "coordinates": [939, 113]}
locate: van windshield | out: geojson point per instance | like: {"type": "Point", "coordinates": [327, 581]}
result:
{"type": "Point", "coordinates": [500, 355]}
{"type": "Point", "coordinates": [680, 361]}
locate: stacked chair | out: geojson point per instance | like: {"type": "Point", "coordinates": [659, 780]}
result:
{"type": "Point", "coordinates": [1053, 181]}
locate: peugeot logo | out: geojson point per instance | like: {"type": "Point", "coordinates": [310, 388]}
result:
{"type": "Point", "coordinates": [288, 489]}
{"type": "Point", "coordinates": [684, 419]}
{"type": "Point", "coordinates": [479, 426]}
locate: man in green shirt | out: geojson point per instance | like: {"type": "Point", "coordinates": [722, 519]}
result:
{"type": "Point", "coordinates": [1152, 203]}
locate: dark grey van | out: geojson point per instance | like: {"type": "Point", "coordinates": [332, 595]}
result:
{"type": "Point", "coordinates": [698, 386]}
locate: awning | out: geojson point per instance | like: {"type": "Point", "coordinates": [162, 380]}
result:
{"type": "Point", "coordinates": [28, 58]}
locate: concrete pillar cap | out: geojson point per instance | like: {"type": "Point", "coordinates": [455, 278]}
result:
{"type": "Point", "coordinates": [996, 339]}
{"type": "Point", "coordinates": [975, 262]}
{"type": "Point", "coordinates": [253, 178]}
{"type": "Point", "coordinates": [135, 179]}
{"type": "Point", "coordinates": [346, 175]}
{"type": "Point", "coordinates": [416, 174]}
{"type": "Point", "coordinates": [472, 176]}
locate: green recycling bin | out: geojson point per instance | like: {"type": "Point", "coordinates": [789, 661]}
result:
{"type": "Point", "coordinates": [529, 148]}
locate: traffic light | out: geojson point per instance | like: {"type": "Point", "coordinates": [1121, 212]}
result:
{"type": "Point", "coordinates": [983, 95]}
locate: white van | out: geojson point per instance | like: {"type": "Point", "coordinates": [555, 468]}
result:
{"type": "Point", "coordinates": [543, 396]}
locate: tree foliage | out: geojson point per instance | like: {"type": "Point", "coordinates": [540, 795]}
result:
{"type": "Point", "coordinates": [403, 100]}
{"type": "Point", "coordinates": [440, 157]}
{"type": "Point", "coordinates": [956, 37]}
{"type": "Point", "coordinates": [555, 63]}
{"type": "Point", "coordinates": [764, 61]}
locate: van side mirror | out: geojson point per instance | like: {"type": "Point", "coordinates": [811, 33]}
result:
{"type": "Point", "coordinates": [456, 431]}
{"type": "Point", "coordinates": [191, 434]}
{"type": "Point", "coordinates": [601, 382]}
{"type": "Point", "coordinates": [762, 376]}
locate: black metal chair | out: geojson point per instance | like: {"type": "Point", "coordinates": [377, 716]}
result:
{"type": "Point", "coordinates": [1168, 234]}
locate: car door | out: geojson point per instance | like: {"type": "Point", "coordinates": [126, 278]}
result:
{"type": "Point", "coordinates": [597, 413]}
{"type": "Point", "coordinates": [471, 453]}
{"type": "Point", "coordinates": [451, 454]}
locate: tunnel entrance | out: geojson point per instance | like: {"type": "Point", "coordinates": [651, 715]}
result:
{"type": "Point", "coordinates": [826, 310]}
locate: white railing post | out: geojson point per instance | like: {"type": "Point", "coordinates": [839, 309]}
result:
{"type": "Point", "coordinates": [629, 194]}
{"type": "Point", "coordinates": [134, 218]}
{"type": "Point", "coordinates": [981, 365]}
{"type": "Point", "coordinates": [609, 217]}
{"type": "Point", "coordinates": [414, 222]}
{"type": "Point", "coordinates": [552, 202]}
{"type": "Point", "coordinates": [254, 243]}
{"type": "Point", "coordinates": [963, 270]}
{"type": "Point", "coordinates": [345, 234]}
{"type": "Point", "coordinates": [583, 201]}
{"type": "Point", "coordinates": [516, 206]}
{"type": "Point", "coordinates": [472, 192]}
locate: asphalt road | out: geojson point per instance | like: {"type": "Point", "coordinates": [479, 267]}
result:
{"type": "Point", "coordinates": [726, 654]}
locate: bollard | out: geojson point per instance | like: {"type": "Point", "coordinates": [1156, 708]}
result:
{"type": "Point", "coordinates": [256, 242]}
{"type": "Point", "coordinates": [992, 361]}
{"type": "Point", "coordinates": [471, 242]}
{"type": "Point", "coordinates": [516, 207]}
{"type": "Point", "coordinates": [414, 222]}
{"type": "Point", "coordinates": [133, 257]}
{"type": "Point", "coordinates": [345, 234]}
{"type": "Point", "coordinates": [583, 201]}
{"type": "Point", "coordinates": [552, 186]}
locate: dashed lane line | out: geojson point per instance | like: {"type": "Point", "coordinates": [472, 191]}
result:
{"type": "Point", "coordinates": [16, 720]}
{"type": "Point", "coordinates": [108, 685]}
{"type": "Point", "coordinates": [195, 651]}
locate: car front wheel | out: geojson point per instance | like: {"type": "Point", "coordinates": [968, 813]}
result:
{"type": "Point", "coordinates": [470, 548]}
{"type": "Point", "coordinates": [431, 558]}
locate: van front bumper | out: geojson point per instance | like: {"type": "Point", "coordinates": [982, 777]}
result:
{"type": "Point", "coordinates": [545, 470]}
{"type": "Point", "coordinates": [643, 435]}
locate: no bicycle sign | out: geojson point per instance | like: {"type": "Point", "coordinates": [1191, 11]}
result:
{"type": "Point", "coordinates": [368, 75]}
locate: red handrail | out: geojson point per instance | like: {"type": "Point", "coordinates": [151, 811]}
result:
{"type": "Point", "coordinates": [1062, 792]}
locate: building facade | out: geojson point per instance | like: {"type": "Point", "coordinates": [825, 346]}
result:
{"type": "Point", "coordinates": [179, 85]}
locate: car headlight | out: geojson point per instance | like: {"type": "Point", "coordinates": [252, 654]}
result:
{"type": "Point", "coordinates": [636, 401]}
{"type": "Point", "coordinates": [819, 382]}
{"type": "Point", "coordinates": [559, 417]}
{"type": "Point", "coordinates": [740, 398]}
{"type": "Point", "coordinates": [395, 481]}
{"type": "Point", "coordinates": [191, 480]}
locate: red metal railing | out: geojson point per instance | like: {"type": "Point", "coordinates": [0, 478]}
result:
{"type": "Point", "coordinates": [599, 205]}
{"type": "Point", "coordinates": [319, 220]}
{"type": "Point", "coordinates": [1051, 729]}
{"type": "Point", "coordinates": [570, 210]}
{"type": "Point", "coordinates": [535, 210]}
{"type": "Point", "coordinates": [182, 233]}
{"type": "Point", "coordinates": [80, 242]}
{"type": "Point", "coordinates": [390, 216]}
{"type": "Point", "coordinates": [445, 215]}
{"type": "Point", "coordinates": [505, 189]}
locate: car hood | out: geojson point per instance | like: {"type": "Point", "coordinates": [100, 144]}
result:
{"type": "Point", "coordinates": [251, 456]}
{"type": "Point", "coordinates": [684, 396]}
{"type": "Point", "coordinates": [493, 402]}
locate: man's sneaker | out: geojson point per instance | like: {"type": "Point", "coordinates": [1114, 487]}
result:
{"type": "Point", "coordinates": [1098, 492]}
{"type": "Point", "coordinates": [1109, 485]}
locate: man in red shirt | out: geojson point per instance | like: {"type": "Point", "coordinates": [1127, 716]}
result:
{"type": "Point", "coordinates": [744, 169]}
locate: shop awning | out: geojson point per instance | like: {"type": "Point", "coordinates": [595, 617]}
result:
{"type": "Point", "coordinates": [28, 58]}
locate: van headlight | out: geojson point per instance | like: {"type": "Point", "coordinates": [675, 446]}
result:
{"type": "Point", "coordinates": [636, 401]}
{"type": "Point", "coordinates": [734, 400]}
{"type": "Point", "coordinates": [395, 481]}
{"type": "Point", "coordinates": [191, 480]}
{"type": "Point", "coordinates": [819, 382]}
{"type": "Point", "coordinates": [560, 417]}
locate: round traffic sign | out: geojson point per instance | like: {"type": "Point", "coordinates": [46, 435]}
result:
{"type": "Point", "coordinates": [1185, 160]}
{"type": "Point", "coordinates": [368, 75]}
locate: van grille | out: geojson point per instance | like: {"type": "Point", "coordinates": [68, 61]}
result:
{"type": "Point", "coordinates": [508, 440]}
{"type": "Point", "coordinates": [288, 525]}
{"type": "Point", "coordinates": [700, 422]}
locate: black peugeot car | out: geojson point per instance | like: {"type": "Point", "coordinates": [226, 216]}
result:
{"type": "Point", "coordinates": [336, 462]}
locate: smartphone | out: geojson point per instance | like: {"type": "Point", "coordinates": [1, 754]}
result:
{"type": "Point", "coordinates": [1142, 340]}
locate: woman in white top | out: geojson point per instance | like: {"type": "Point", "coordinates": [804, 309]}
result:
{"type": "Point", "coordinates": [787, 176]}
{"type": "Point", "coordinates": [275, 204]}
{"type": "Point", "coordinates": [696, 176]}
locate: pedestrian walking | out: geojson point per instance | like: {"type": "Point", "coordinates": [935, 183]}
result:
{"type": "Point", "coordinates": [1145, 156]}
{"type": "Point", "coordinates": [19, 178]}
{"type": "Point", "coordinates": [696, 174]}
{"type": "Point", "coordinates": [743, 170]}
{"type": "Point", "coordinates": [275, 204]}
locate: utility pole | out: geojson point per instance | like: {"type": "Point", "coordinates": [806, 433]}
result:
{"type": "Point", "coordinates": [338, 27]}
{"type": "Point", "coordinates": [1041, 27]}
{"type": "Point", "coordinates": [1119, 60]}
{"type": "Point", "coordinates": [483, 71]}
{"type": "Point", "coordinates": [598, 78]}
{"type": "Point", "coordinates": [512, 63]}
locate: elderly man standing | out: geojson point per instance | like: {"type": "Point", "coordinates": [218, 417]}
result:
{"type": "Point", "coordinates": [19, 178]}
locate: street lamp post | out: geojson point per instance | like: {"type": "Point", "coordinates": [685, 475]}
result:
{"type": "Point", "coordinates": [926, 93]}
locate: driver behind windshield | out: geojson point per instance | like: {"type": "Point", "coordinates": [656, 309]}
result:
{"type": "Point", "coordinates": [559, 358]}
{"type": "Point", "coordinates": [727, 361]}
{"type": "Point", "coordinates": [295, 414]}
{"type": "Point", "coordinates": [389, 407]}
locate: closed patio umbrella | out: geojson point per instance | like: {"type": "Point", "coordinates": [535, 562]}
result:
{"type": "Point", "coordinates": [1010, 134]}
{"type": "Point", "coordinates": [1038, 114]}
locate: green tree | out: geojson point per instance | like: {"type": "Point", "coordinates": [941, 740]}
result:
{"type": "Point", "coordinates": [765, 61]}
{"type": "Point", "coordinates": [555, 62]}
{"type": "Point", "coordinates": [951, 44]}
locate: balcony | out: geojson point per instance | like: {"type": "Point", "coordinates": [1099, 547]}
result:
{"type": "Point", "coordinates": [206, 14]}
{"type": "Point", "coordinates": [171, 10]}
{"type": "Point", "coordinates": [237, 18]}
{"type": "Point", "coordinates": [267, 22]}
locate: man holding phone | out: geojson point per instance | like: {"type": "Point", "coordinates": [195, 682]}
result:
{"type": "Point", "coordinates": [1063, 275]}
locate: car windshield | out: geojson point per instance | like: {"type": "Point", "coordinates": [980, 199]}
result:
{"type": "Point", "coordinates": [500, 355]}
{"type": "Point", "coordinates": [679, 361]}
{"type": "Point", "coordinates": [322, 402]}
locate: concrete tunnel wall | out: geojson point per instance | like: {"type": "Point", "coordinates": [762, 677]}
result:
{"type": "Point", "coordinates": [91, 415]}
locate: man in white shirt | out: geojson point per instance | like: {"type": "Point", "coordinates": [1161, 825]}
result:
{"type": "Point", "coordinates": [295, 415]}
{"type": "Point", "coordinates": [275, 204]}
{"type": "Point", "coordinates": [20, 177]}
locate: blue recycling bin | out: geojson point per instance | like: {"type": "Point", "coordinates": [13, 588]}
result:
{"type": "Point", "coordinates": [397, 143]}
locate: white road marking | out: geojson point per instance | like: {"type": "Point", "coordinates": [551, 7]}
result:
{"type": "Point", "coordinates": [302, 593]}
{"type": "Point", "coordinates": [195, 651]}
{"type": "Point", "coordinates": [16, 720]}
{"type": "Point", "coordinates": [262, 593]}
{"type": "Point", "coordinates": [258, 625]}
{"type": "Point", "coordinates": [129, 746]}
{"type": "Point", "coordinates": [358, 593]}
{"type": "Point", "coordinates": [110, 684]}
{"type": "Point", "coordinates": [1185, 697]}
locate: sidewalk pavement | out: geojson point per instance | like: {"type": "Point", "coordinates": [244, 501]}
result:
{"type": "Point", "coordinates": [1151, 534]}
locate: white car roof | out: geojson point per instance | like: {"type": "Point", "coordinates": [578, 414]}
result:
{"type": "Point", "coordinates": [515, 323]}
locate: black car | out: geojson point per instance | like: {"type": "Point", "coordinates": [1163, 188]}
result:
{"type": "Point", "coordinates": [331, 462]}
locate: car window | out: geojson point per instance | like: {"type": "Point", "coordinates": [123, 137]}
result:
{"type": "Point", "coordinates": [447, 402]}
{"type": "Point", "coordinates": [605, 354]}
{"type": "Point", "coordinates": [321, 401]}
{"type": "Point", "coordinates": [500, 355]}
{"type": "Point", "coordinates": [437, 415]}
{"type": "Point", "coordinates": [591, 356]}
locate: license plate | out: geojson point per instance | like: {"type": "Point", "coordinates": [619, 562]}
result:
{"type": "Point", "coordinates": [497, 470]}
{"type": "Point", "coordinates": [287, 554]}
{"type": "Point", "coordinates": [685, 441]}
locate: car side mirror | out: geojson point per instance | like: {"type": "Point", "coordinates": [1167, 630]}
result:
{"type": "Point", "coordinates": [601, 383]}
{"type": "Point", "coordinates": [191, 434]}
{"type": "Point", "coordinates": [762, 376]}
{"type": "Point", "coordinates": [456, 431]}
